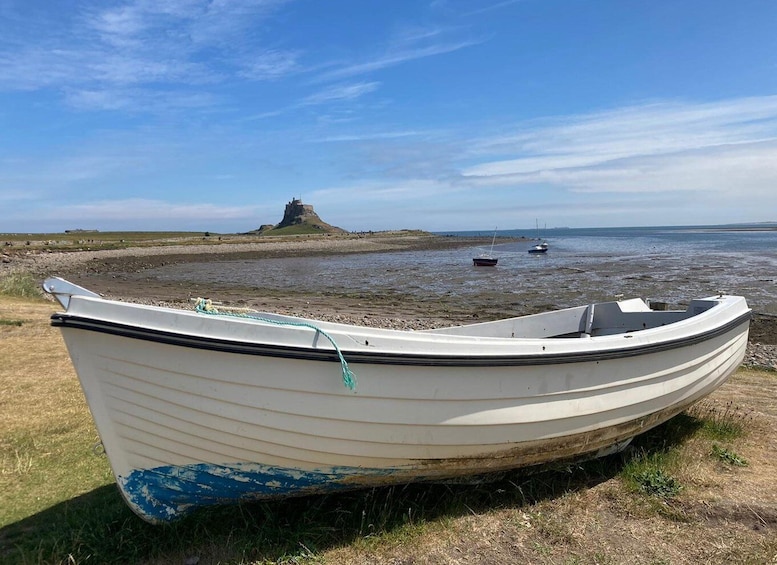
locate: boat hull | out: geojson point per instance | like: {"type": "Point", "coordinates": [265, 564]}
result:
{"type": "Point", "coordinates": [485, 261]}
{"type": "Point", "coordinates": [196, 410]}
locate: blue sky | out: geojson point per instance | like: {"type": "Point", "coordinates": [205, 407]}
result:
{"type": "Point", "coordinates": [438, 115]}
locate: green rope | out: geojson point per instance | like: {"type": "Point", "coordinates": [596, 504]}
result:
{"type": "Point", "coordinates": [205, 306]}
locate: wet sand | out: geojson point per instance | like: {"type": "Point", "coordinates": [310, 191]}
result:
{"type": "Point", "coordinates": [118, 274]}
{"type": "Point", "coordinates": [121, 274]}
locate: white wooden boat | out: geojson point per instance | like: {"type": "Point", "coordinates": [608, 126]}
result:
{"type": "Point", "coordinates": [196, 409]}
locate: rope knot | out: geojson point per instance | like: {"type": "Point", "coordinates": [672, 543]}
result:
{"type": "Point", "coordinates": [205, 305]}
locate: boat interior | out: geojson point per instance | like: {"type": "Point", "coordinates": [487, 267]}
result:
{"type": "Point", "coordinates": [606, 318]}
{"type": "Point", "coordinates": [602, 319]}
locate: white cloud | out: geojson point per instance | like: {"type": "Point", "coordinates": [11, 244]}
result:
{"type": "Point", "coordinates": [146, 209]}
{"type": "Point", "coordinates": [139, 100]}
{"type": "Point", "coordinates": [143, 43]}
{"type": "Point", "coordinates": [142, 46]}
{"type": "Point", "coordinates": [396, 58]}
{"type": "Point", "coordinates": [369, 136]}
{"type": "Point", "coordinates": [648, 164]}
{"type": "Point", "coordinates": [408, 43]}
{"type": "Point", "coordinates": [377, 190]}
{"type": "Point", "coordinates": [17, 194]}
{"type": "Point", "coordinates": [270, 65]}
{"type": "Point", "coordinates": [490, 8]}
{"type": "Point", "coordinates": [746, 168]}
{"type": "Point", "coordinates": [340, 92]}
{"type": "Point", "coordinates": [650, 148]}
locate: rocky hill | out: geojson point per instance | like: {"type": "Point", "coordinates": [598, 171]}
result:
{"type": "Point", "coordinates": [298, 218]}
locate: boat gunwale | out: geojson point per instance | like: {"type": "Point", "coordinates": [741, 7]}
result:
{"type": "Point", "coordinates": [447, 359]}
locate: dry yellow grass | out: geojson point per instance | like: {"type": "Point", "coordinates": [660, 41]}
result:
{"type": "Point", "coordinates": [724, 514]}
{"type": "Point", "coordinates": [47, 430]}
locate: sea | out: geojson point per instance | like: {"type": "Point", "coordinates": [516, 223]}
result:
{"type": "Point", "coordinates": [660, 264]}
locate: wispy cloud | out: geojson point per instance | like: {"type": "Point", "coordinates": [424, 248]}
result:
{"type": "Point", "coordinates": [139, 100]}
{"type": "Point", "coordinates": [114, 56]}
{"type": "Point", "coordinates": [663, 157]}
{"type": "Point", "coordinates": [63, 171]}
{"type": "Point", "coordinates": [408, 43]}
{"type": "Point", "coordinates": [145, 209]}
{"type": "Point", "coordinates": [182, 24]}
{"type": "Point", "coordinates": [270, 65]}
{"type": "Point", "coordinates": [340, 92]}
{"type": "Point", "coordinates": [384, 191]}
{"type": "Point", "coordinates": [395, 57]}
{"type": "Point", "coordinates": [17, 194]}
{"type": "Point", "coordinates": [490, 8]}
{"type": "Point", "coordinates": [140, 44]}
{"type": "Point", "coordinates": [749, 168]}
{"type": "Point", "coordinates": [369, 136]}
{"type": "Point", "coordinates": [669, 146]}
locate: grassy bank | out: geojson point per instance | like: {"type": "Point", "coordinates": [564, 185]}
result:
{"type": "Point", "coordinates": [93, 240]}
{"type": "Point", "coordinates": [700, 488]}
{"type": "Point", "coordinates": [96, 240]}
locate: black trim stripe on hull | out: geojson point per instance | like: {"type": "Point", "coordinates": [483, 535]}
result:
{"type": "Point", "coordinates": [64, 320]}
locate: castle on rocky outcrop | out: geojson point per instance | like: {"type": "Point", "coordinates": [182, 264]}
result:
{"type": "Point", "coordinates": [299, 214]}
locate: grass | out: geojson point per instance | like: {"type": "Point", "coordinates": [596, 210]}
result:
{"type": "Point", "coordinates": [647, 475]}
{"type": "Point", "coordinates": [98, 526]}
{"type": "Point", "coordinates": [722, 423]}
{"type": "Point", "coordinates": [97, 235]}
{"type": "Point", "coordinates": [728, 456]}
{"type": "Point", "coordinates": [658, 458]}
{"type": "Point", "coordinates": [20, 285]}
{"type": "Point", "coordinates": [297, 229]}
{"type": "Point", "coordinates": [94, 240]}
{"type": "Point", "coordinates": [59, 503]}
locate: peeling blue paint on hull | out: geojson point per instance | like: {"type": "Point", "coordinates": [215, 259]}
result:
{"type": "Point", "coordinates": [164, 494]}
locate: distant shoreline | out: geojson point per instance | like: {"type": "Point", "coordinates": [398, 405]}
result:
{"type": "Point", "coordinates": [118, 273]}
{"type": "Point", "coordinates": [741, 228]}
{"type": "Point", "coordinates": [135, 256]}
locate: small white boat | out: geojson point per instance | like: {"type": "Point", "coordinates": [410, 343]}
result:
{"type": "Point", "coordinates": [204, 407]}
{"type": "Point", "coordinates": [487, 259]}
{"type": "Point", "coordinates": [539, 248]}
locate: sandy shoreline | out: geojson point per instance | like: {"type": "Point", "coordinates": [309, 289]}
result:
{"type": "Point", "coordinates": [117, 274]}
{"type": "Point", "coordinates": [131, 258]}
